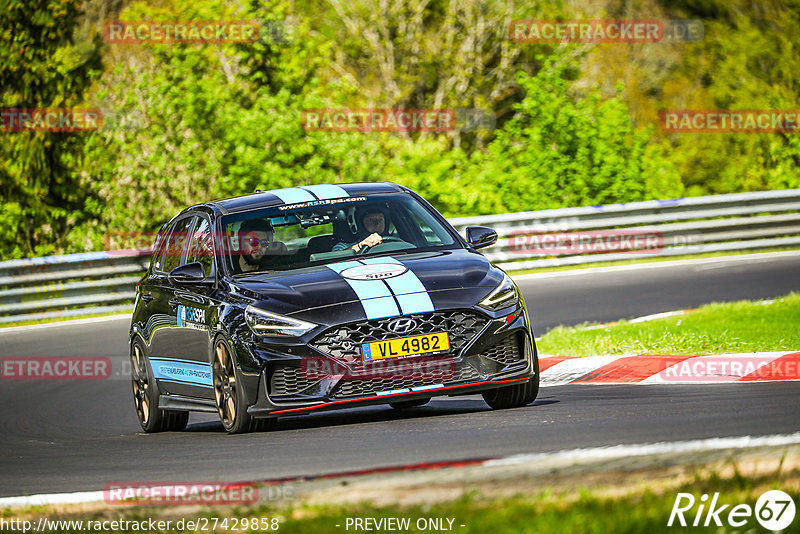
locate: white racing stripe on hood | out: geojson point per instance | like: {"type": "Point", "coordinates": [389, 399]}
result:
{"type": "Point", "coordinates": [381, 298]}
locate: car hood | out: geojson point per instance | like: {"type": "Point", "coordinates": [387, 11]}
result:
{"type": "Point", "coordinates": [336, 293]}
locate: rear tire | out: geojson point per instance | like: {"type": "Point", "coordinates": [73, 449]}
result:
{"type": "Point", "coordinates": [402, 405]}
{"type": "Point", "coordinates": [146, 393]}
{"type": "Point", "coordinates": [230, 396]}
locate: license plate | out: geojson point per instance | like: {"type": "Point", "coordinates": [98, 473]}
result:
{"type": "Point", "coordinates": [405, 346]}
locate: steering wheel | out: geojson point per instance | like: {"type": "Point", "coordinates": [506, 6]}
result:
{"type": "Point", "coordinates": [386, 239]}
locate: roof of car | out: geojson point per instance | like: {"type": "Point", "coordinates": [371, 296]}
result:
{"type": "Point", "coordinates": [306, 193]}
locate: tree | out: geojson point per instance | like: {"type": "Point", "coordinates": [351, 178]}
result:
{"type": "Point", "coordinates": [564, 148]}
{"type": "Point", "coordinates": [42, 67]}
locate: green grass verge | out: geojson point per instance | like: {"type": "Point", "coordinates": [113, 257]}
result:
{"type": "Point", "coordinates": [743, 326]}
{"type": "Point", "coordinates": [578, 510]}
{"type": "Point", "coordinates": [545, 513]}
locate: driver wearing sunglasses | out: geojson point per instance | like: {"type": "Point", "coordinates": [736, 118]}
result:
{"type": "Point", "coordinates": [256, 244]}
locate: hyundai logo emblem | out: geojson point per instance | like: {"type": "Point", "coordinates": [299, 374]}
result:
{"type": "Point", "coordinates": [402, 325]}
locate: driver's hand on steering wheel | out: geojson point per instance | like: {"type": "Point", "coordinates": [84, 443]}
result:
{"type": "Point", "coordinates": [369, 241]}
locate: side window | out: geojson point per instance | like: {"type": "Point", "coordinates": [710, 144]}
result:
{"type": "Point", "coordinates": [176, 243]}
{"type": "Point", "coordinates": [429, 235]}
{"type": "Point", "coordinates": [432, 233]}
{"type": "Point", "coordinates": [158, 249]}
{"type": "Point", "coordinates": [201, 246]}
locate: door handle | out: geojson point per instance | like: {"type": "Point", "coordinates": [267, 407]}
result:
{"type": "Point", "coordinates": [174, 302]}
{"type": "Point", "coordinates": [146, 298]}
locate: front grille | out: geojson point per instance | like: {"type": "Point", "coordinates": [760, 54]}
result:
{"type": "Point", "coordinates": [506, 352]}
{"type": "Point", "coordinates": [343, 342]}
{"type": "Point", "coordinates": [289, 381]}
{"type": "Point", "coordinates": [377, 377]}
{"type": "Point", "coordinates": [360, 388]}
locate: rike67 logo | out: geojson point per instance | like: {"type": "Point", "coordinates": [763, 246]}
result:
{"type": "Point", "coordinates": [774, 510]}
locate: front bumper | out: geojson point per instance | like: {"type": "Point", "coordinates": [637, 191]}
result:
{"type": "Point", "coordinates": [264, 408]}
{"type": "Point", "coordinates": [488, 353]}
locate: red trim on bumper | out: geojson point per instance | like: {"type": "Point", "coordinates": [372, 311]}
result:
{"type": "Point", "coordinates": [325, 404]}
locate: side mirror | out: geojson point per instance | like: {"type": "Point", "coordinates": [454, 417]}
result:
{"type": "Point", "coordinates": [480, 236]}
{"type": "Point", "coordinates": [190, 273]}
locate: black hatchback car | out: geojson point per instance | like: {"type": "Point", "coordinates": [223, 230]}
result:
{"type": "Point", "coordinates": [320, 297]}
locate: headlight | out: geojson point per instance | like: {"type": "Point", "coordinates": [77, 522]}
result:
{"type": "Point", "coordinates": [264, 323]}
{"type": "Point", "coordinates": [503, 296]}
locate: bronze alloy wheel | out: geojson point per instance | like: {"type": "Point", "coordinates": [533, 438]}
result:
{"type": "Point", "coordinates": [141, 385]}
{"type": "Point", "coordinates": [225, 386]}
{"type": "Point", "coordinates": [146, 396]}
{"type": "Point", "coordinates": [229, 394]}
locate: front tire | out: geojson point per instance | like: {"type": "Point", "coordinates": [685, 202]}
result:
{"type": "Point", "coordinates": [230, 396]}
{"type": "Point", "coordinates": [513, 396]}
{"type": "Point", "coordinates": [146, 393]}
{"type": "Point", "coordinates": [517, 395]}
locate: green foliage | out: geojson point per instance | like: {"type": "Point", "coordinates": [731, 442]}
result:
{"type": "Point", "coordinates": [41, 197]}
{"type": "Point", "coordinates": [746, 61]}
{"type": "Point", "coordinates": [563, 149]}
{"type": "Point", "coordinates": [195, 122]}
{"type": "Point", "coordinates": [217, 122]}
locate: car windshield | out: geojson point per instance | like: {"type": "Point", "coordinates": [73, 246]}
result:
{"type": "Point", "coordinates": [319, 232]}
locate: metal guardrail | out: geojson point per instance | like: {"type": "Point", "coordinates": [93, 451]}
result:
{"type": "Point", "coordinates": [694, 225]}
{"type": "Point", "coordinates": [69, 285]}
{"type": "Point", "coordinates": [102, 282]}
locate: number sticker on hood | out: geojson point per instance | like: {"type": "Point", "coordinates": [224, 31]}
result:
{"type": "Point", "coordinates": [375, 271]}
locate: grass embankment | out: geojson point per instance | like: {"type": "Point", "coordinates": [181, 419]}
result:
{"type": "Point", "coordinates": [582, 511]}
{"type": "Point", "coordinates": [743, 326]}
{"type": "Point", "coordinates": [632, 509]}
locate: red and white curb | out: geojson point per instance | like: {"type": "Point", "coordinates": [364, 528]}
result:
{"type": "Point", "coordinates": [563, 457]}
{"type": "Point", "coordinates": [670, 369]}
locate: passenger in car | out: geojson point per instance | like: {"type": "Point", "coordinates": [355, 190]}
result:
{"type": "Point", "coordinates": [373, 222]}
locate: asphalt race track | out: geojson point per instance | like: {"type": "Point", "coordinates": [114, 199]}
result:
{"type": "Point", "coordinates": [62, 436]}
